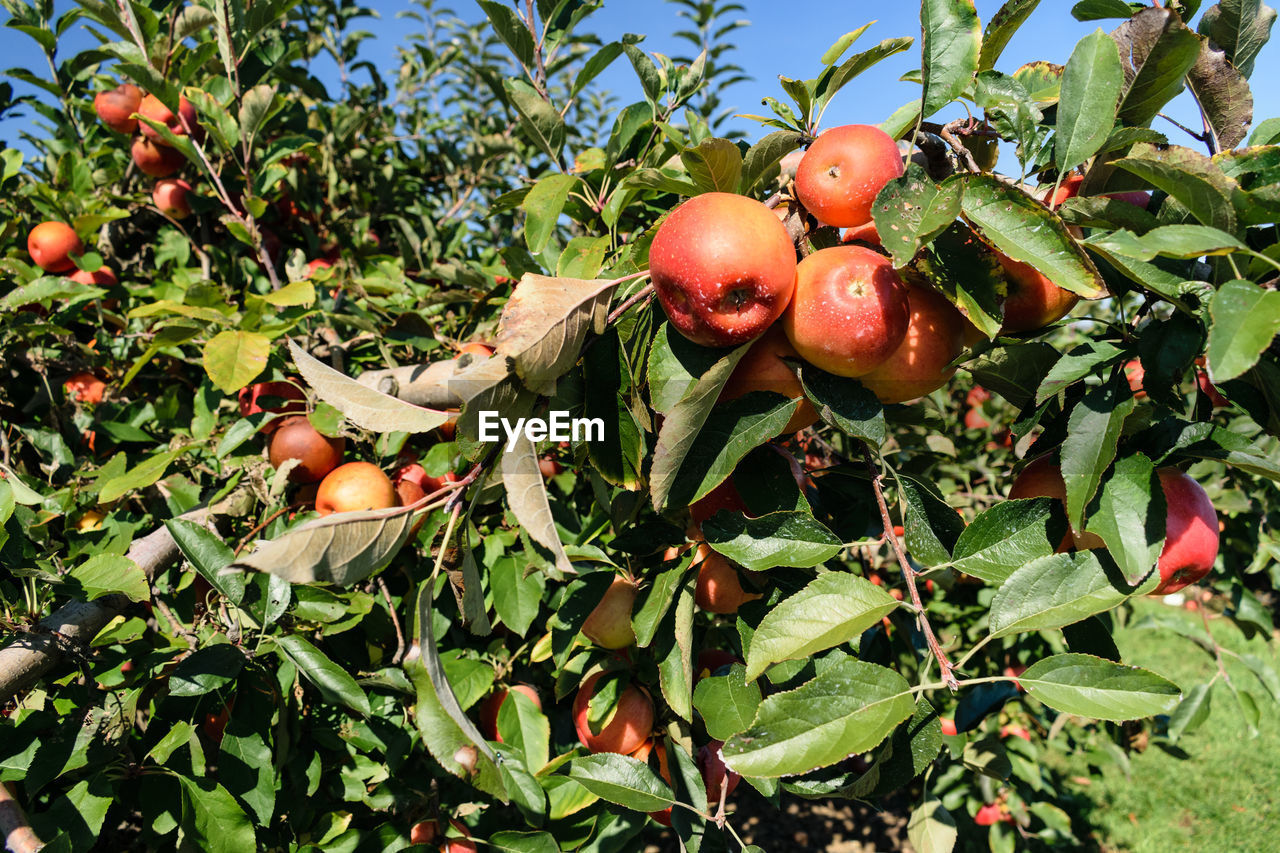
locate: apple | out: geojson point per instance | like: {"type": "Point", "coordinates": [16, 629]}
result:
{"type": "Point", "coordinates": [424, 832]}
{"type": "Point", "coordinates": [850, 311]}
{"type": "Point", "coordinates": [974, 419]}
{"type": "Point", "coordinates": [609, 623]}
{"type": "Point", "coordinates": [84, 387]}
{"type": "Point", "coordinates": [719, 588]}
{"type": "Point", "coordinates": [415, 475]}
{"type": "Point", "coordinates": [642, 753]}
{"type": "Point", "coordinates": [1042, 478]}
{"type": "Point", "coordinates": [715, 774]}
{"type": "Point", "coordinates": [52, 245]}
{"type": "Point", "coordinates": [991, 814]}
{"type": "Point", "coordinates": [724, 496]}
{"type": "Point", "coordinates": [627, 725]}
{"type": "Point", "coordinates": [1134, 373]}
{"type": "Point", "coordinates": [920, 364]}
{"type": "Point", "coordinates": [1012, 730]}
{"type": "Point", "coordinates": [318, 264]}
{"type": "Point", "coordinates": [1191, 532]}
{"type": "Point", "coordinates": [723, 267]}
{"type": "Point", "coordinates": [865, 233]}
{"type": "Point", "coordinates": [170, 195]}
{"type": "Point", "coordinates": [317, 454]}
{"type": "Point", "coordinates": [101, 277]}
{"type": "Point", "coordinates": [1033, 301]}
{"type": "Point", "coordinates": [762, 369]}
{"type": "Point", "coordinates": [214, 723]}
{"type": "Point", "coordinates": [492, 704]}
{"type": "Point", "coordinates": [549, 467]}
{"type": "Point", "coordinates": [1070, 188]}
{"type": "Point", "coordinates": [462, 844]}
{"type": "Point", "coordinates": [91, 520]}
{"type": "Point", "coordinates": [476, 349]}
{"type": "Point", "coordinates": [115, 107]}
{"type": "Point", "coordinates": [353, 487]}
{"type": "Point", "coordinates": [155, 160]}
{"type": "Point", "coordinates": [843, 171]}
{"type": "Point", "coordinates": [1208, 388]}
{"type": "Point", "coordinates": [255, 398]}
{"type": "Point", "coordinates": [153, 108]}
{"type": "Point", "coordinates": [948, 726]}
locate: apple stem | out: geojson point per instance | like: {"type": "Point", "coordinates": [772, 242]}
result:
{"type": "Point", "coordinates": [908, 574]}
{"type": "Point", "coordinates": [644, 293]}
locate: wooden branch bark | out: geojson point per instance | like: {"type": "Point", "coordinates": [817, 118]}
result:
{"type": "Point", "coordinates": [24, 661]}
{"type": "Point", "coordinates": [19, 837]}
{"type": "Point", "coordinates": [420, 384]}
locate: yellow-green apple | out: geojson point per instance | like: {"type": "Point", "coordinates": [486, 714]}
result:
{"type": "Point", "coordinates": [609, 623]}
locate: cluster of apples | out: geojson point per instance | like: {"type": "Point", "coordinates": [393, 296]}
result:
{"type": "Point", "coordinates": [119, 109]}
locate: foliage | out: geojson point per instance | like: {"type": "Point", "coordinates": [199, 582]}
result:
{"type": "Point", "coordinates": [317, 684]}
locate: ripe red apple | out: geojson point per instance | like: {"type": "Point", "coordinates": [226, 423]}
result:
{"type": "Point", "coordinates": [1012, 730]}
{"type": "Point", "coordinates": [171, 196]}
{"type": "Point", "coordinates": [252, 398]}
{"type": "Point", "coordinates": [935, 337]}
{"type": "Point", "coordinates": [974, 419]}
{"type": "Point", "coordinates": [416, 475]}
{"type": "Point", "coordinates": [1191, 532]}
{"type": "Point", "coordinates": [85, 388]}
{"type": "Point", "coordinates": [724, 496]}
{"type": "Point", "coordinates": [991, 814]}
{"type": "Point", "coordinates": [353, 487]}
{"type": "Point", "coordinates": [317, 454]}
{"type": "Point", "coordinates": [948, 726]}
{"type": "Point", "coordinates": [492, 704]}
{"type": "Point", "coordinates": [850, 310]}
{"type": "Point", "coordinates": [1070, 188]}
{"type": "Point", "coordinates": [549, 467]}
{"type": "Point", "coordinates": [762, 369]}
{"type": "Point", "coordinates": [477, 349]}
{"type": "Point", "coordinates": [424, 832]}
{"type": "Point", "coordinates": [1134, 373]}
{"type": "Point", "coordinates": [457, 844]}
{"type": "Point", "coordinates": [865, 233]}
{"type": "Point", "coordinates": [152, 108]}
{"type": "Point", "coordinates": [723, 267]}
{"type": "Point", "coordinates": [115, 107]}
{"type": "Point", "coordinates": [843, 171]}
{"type": "Point", "coordinates": [1208, 388]}
{"type": "Point", "coordinates": [715, 774]}
{"type": "Point", "coordinates": [627, 725]}
{"type": "Point", "coordinates": [52, 244]}
{"type": "Point", "coordinates": [719, 588]}
{"type": "Point", "coordinates": [609, 623]}
{"type": "Point", "coordinates": [101, 277]}
{"type": "Point", "coordinates": [155, 160]}
{"type": "Point", "coordinates": [1033, 301]}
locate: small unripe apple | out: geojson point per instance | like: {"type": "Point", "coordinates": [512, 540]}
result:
{"type": "Point", "coordinates": [850, 310]}
{"type": "Point", "coordinates": [317, 454]}
{"type": "Point", "coordinates": [492, 704]}
{"type": "Point", "coordinates": [1191, 532]}
{"type": "Point", "coordinates": [609, 624]}
{"type": "Point", "coordinates": [252, 399]}
{"type": "Point", "coordinates": [85, 388]}
{"type": "Point", "coordinates": [723, 268]}
{"type": "Point", "coordinates": [919, 366]}
{"type": "Point", "coordinates": [101, 277]}
{"type": "Point", "coordinates": [354, 487]}
{"type": "Point", "coordinates": [627, 725]}
{"type": "Point", "coordinates": [171, 196]}
{"type": "Point", "coordinates": [1033, 301]}
{"type": "Point", "coordinates": [153, 108]}
{"type": "Point", "coordinates": [843, 171]}
{"type": "Point", "coordinates": [715, 774]}
{"type": "Point", "coordinates": [762, 369]}
{"type": "Point", "coordinates": [52, 245]}
{"type": "Point", "coordinates": [158, 161]}
{"type": "Point", "coordinates": [115, 107]}
{"type": "Point", "coordinates": [719, 588]}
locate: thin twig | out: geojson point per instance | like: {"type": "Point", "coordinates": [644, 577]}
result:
{"type": "Point", "coordinates": [175, 623]}
{"type": "Point", "coordinates": [908, 574]}
{"type": "Point", "coordinates": [395, 620]}
{"type": "Point", "coordinates": [248, 537]}
{"type": "Point", "coordinates": [644, 293]}
{"type": "Point", "coordinates": [947, 132]}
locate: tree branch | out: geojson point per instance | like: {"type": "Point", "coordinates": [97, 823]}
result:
{"type": "Point", "coordinates": [19, 837]}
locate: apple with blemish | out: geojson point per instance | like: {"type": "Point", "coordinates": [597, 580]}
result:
{"type": "Point", "coordinates": [317, 454]}
{"type": "Point", "coordinates": [115, 107]}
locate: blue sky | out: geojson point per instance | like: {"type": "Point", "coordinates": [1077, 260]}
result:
{"type": "Point", "coordinates": [783, 38]}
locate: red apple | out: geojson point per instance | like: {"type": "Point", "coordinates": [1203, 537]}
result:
{"type": "Point", "coordinates": [866, 233]}
{"type": "Point", "coordinates": [101, 277]}
{"type": "Point", "coordinates": [850, 311]}
{"type": "Point", "coordinates": [1191, 532]}
{"type": "Point", "coordinates": [115, 107]}
{"type": "Point", "coordinates": [762, 369]}
{"type": "Point", "coordinates": [492, 704]}
{"type": "Point", "coordinates": [715, 774]}
{"type": "Point", "coordinates": [354, 487]}
{"type": "Point", "coordinates": [935, 337]}
{"type": "Point", "coordinates": [627, 725]}
{"type": "Point", "coordinates": [252, 398]}
{"type": "Point", "coordinates": [52, 245]}
{"type": "Point", "coordinates": [85, 388]}
{"type": "Point", "coordinates": [723, 267]}
{"type": "Point", "coordinates": [171, 196]}
{"type": "Point", "coordinates": [1033, 301]}
{"type": "Point", "coordinates": [155, 160]}
{"type": "Point", "coordinates": [153, 108]}
{"type": "Point", "coordinates": [843, 171]}
{"type": "Point", "coordinates": [317, 454]}
{"type": "Point", "coordinates": [719, 588]}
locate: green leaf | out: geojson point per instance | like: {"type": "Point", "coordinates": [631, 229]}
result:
{"type": "Point", "coordinates": [542, 124]}
{"type": "Point", "coordinates": [1025, 230]}
{"type": "Point", "coordinates": [1009, 535]}
{"type": "Point", "coordinates": [517, 597]}
{"type": "Point", "coordinates": [293, 294]}
{"type": "Point", "coordinates": [849, 707]}
{"type": "Point", "coordinates": [911, 210]}
{"type": "Point", "coordinates": [1093, 431]}
{"type": "Point", "coordinates": [1246, 319]}
{"type": "Point", "coordinates": [952, 40]}
{"type": "Point", "coordinates": [1224, 95]}
{"type": "Point", "coordinates": [212, 820]}
{"type": "Point", "coordinates": [1092, 687]}
{"type": "Point", "coordinates": [523, 727]}
{"type": "Point", "coordinates": [932, 527]}
{"type": "Point", "coordinates": [1241, 28]}
{"type": "Point", "coordinates": [834, 609]}
{"type": "Point", "coordinates": [524, 842]}
{"type": "Point", "coordinates": [1096, 10]}
{"type": "Point", "coordinates": [1130, 515]}
{"type": "Point", "coordinates": [1091, 85]}
{"type": "Point", "coordinates": [675, 668]}
{"type": "Point", "coordinates": [623, 780]}
{"type": "Point", "coordinates": [794, 539]}
{"type": "Point", "coordinates": [727, 703]}
{"type": "Point", "coordinates": [1051, 592]}
{"type": "Point", "coordinates": [968, 274]}
{"type": "Point", "coordinates": [764, 155]}
{"type": "Point", "coordinates": [1191, 712]}
{"type": "Point", "coordinates": [1001, 28]}
{"type": "Point", "coordinates": [715, 165]}
{"type": "Point", "coordinates": [1081, 363]}
{"type": "Point", "coordinates": [845, 404]}
{"type": "Point", "coordinates": [206, 670]}
{"type": "Point", "coordinates": [834, 78]}
{"type": "Point", "coordinates": [543, 206]}
{"type": "Point", "coordinates": [104, 574]}
{"type": "Point", "coordinates": [333, 682]}
{"type": "Point", "coordinates": [234, 359]}
{"type": "Point", "coordinates": [144, 474]}
{"type": "Point", "coordinates": [513, 32]}
{"type": "Point", "coordinates": [1157, 50]}
{"type": "Point", "coordinates": [209, 555]}
{"type": "Point", "coordinates": [1188, 176]}
{"type": "Point", "coordinates": [931, 828]}
{"type": "Point", "coordinates": [619, 455]}
{"type": "Point", "coordinates": [363, 406]}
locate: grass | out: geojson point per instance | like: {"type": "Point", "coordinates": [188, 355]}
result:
{"type": "Point", "coordinates": [1224, 793]}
